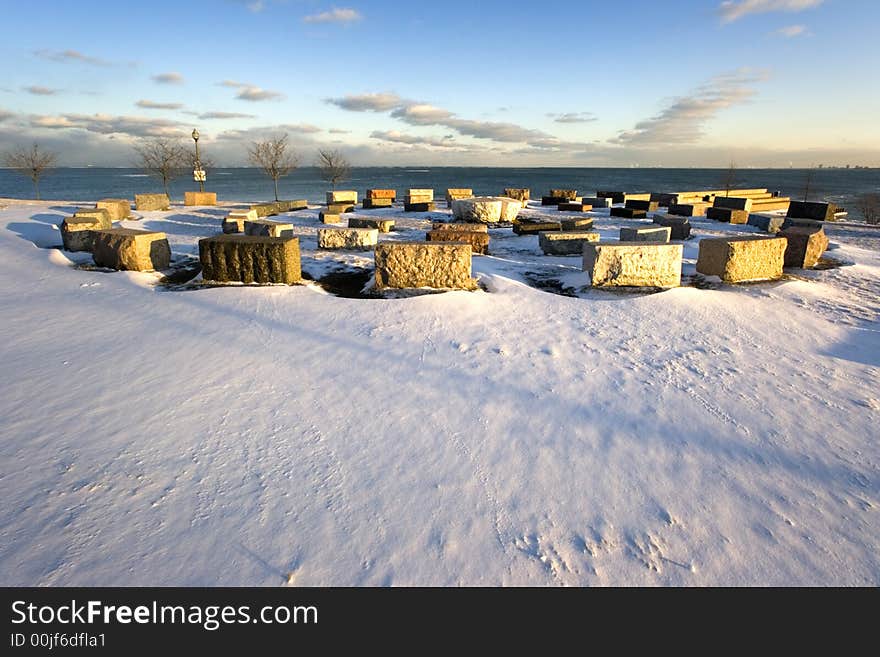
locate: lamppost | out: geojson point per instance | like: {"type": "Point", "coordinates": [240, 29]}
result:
{"type": "Point", "coordinates": [198, 174]}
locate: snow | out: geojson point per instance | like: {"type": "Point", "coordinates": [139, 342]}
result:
{"type": "Point", "coordinates": [711, 435]}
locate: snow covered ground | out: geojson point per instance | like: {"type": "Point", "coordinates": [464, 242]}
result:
{"type": "Point", "coordinates": [708, 434]}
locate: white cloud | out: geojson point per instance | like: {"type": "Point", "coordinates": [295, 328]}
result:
{"type": "Point", "coordinates": [105, 124]}
{"type": "Point", "coordinates": [168, 78]}
{"type": "Point", "coordinates": [224, 115]}
{"type": "Point", "coordinates": [574, 117]}
{"type": "Point", "coordinates": [149, 104]}
{"type": "Point", "coordinates": [70, 56]}
{"type": "Point", "coordinates": [732, 10]}
{"type": "Point", "coordinates": [37, 90]}
{"type": "Point", "coordinates": [381, 102]}
{"type": "Point", "coordinates": [792, 31]}
{"type": "Point", "coordinates": [251, 92]}
{"type": "Point", "coordinates": [343, 16]}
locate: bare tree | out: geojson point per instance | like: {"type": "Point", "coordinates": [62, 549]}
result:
{"type": "Point", "coordinates": [729, 179]}
{"type": "Point", "coordinates": [273, 157]}
{"type": "Point", "coordinates": [808, 182]}
{"type": "Point", "coordinates": [334, 167]}
{"type": "Point", "coordinates": [31, 162]}
{"type": "Point", "coordinates": [163, 158]}
{"type": "Point", "coordinates": [869, 205]}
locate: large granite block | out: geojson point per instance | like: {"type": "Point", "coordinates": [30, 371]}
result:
{"type": "Point", "coordinates": [477, 210]}
{"type": "Point", "coordinates": [571, 206]}
{"type": "Point", "coordinates": [681, 226]}
{"type": "Point", "coordinates": [564, 194]}
{"type": "Point", "coordinates": [733, 203]}
{"type": "Point", "coordinates": [521, 194]}
{"type": "Point", "coordinates": [767, 222]}
{"type": "Point", "coordinates": [812, 210]}
{"type": "Point", "coordinates": [579, 223]}
{"type": "Point", "coordinates": [349, 196]}
{"type": "Point", "coordinates": [597, 201]}
{"type": "Point", "coordinates": [200, 198]}
{"type": "Point", "coordinates": [565, 243]}
{"type": "Point", "coordinates": [250, 259]}
{"type": "Point", "coordinates": [730, 215]}
{"type": "Point", "coordinates": [426, 206]}
{"type": "Point", "coordinates": [534, 227]}
{"type": "Point", "coordinates": [441, 225]}
{"type": "Point", "coordinates": [692, 209]}
{"type": "Point", "coordinates": [151, 202]}
{"type": "Point", "coordinates": [478, 240]}
{"type": "Point", "coordinates": [329, 218]}
{"type": "Point", "coordinates": [265, 209]}
{"type": "Point", "coordinates": [129, 249]}
{"type": "Point", "coordinates": [377, 194]}
{"type": "Point", "coordinates": [430, 264]}
{"type": "Point", "coordinates": [268, 228]}
{"type": "Point", "coordinates": [421, 193]}
{"type": "Point", "coordinates": [805, 246]}
{"type": "Point", "coordinates": [78, 231]}
{"type": "Point", "coordinates": [234, 221]}
{"type": "Point", "coordinates": [659, 234]}
{"type": "Point", "coordinates": [339, 208]}
{"type": "Point", "coordinates": [361, 239]}
{"type": "Point", "coordinates": [646, 205]}
{"type": "Point", "coordinates": [633, 264]}
{"type": "Point", "coordinates": [382, 225]}
{"type": "Point", "coordinates": [119, 208]}
{"type": "Point", "coordinates": [629, 213]}
{"type": "Point", "coordinates": [375, 203]}
{"type": "Point", "coordinates": [292, 205]}
{"type": "Point", "coordinates": [740, 259]}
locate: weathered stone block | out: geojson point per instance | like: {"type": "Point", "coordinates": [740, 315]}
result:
{"type": "Point", "coordinates": [660, 234]}
{"type": "Point", "coordinates": [641, 204]}
{"type": "Point", "coordinates": [478, 240]}
{"type": "Point", "coordinates": [342, 196]}
{"type": "Point", "coordinates": [375, 203]}
{"type": "Point", "coordinates": [689, 209]}
{"type": "Point", "coordinates": [629, 213]}
{"type": "Point", "coordinates": [766, 222]}
{"type": "Point", "coordinates": [565, 243]}
{"type": "Point", "coordinates": [633, 264]}
{"type": "Point", "coordinates": [454, 193]}
{"type": "Point", "coordinates": [733, 203]}
{"type": "Point", "coordinates": [534, 227]}
{"type": "Point", "coordinates": [268, 228]}
{"type": "Point", "coordinates": [200, 198]}
{"type": "Point", "coordinates": [789, 222]}
{"type": "Point", "coordinates": [571, 206]}
{"type": "Point", "coordinates": [576, 224]}
{"type": "Point", "coordinates": [812, 210]}
{"type": "Point", "coordinates": [265, 209]}
{"type": "Point", "coordinates": [596, 201]}
{"type": "Point", "coordinates": [292, 205]}
{"type": "Point", "coordinates": [477, 210]}
{"type": "Point", "coordinates": [616, 197]}
{"type": "Point", "coordinates": [362, 239]}
{"type": "Point", "coordinates": [339, 208]}
{"type": "Point", "coordinates": [377, 194]}
{"type": "Point", "coordinates": [728, 214]}
{"type": "Point", "coordinates": [510, 208]}
{"type": "Point", "coordinates": [775, 203]}
{"type": "Point", "coordinates": [382, 225]}
{"type": "Point", "coordinates": [119, 208]}
{"type": "Point", "coordinates": [129, 249]}
{"type": "Point", "coordinates": [427, 206]}
{"type": "Point", "coordinates": [99, 214]}
{"type": "Point", "coordinates": [329, 218]}
{"type": "Point", "coordinates": [441, 225]}
{"type": "Point", "coordinates": [521, 194]}
{"type": "Point", "coordinates": [805, 246]}
{"type": "Point", "coordinates": [565, 194]}
{"type": "Point", "coordinates": [421, 193]}
{"type": "Point", "coordinates": [431, 264]}
{"type": "Point", "coordinates": [78, 231]}
{"type": "Point", "coordinates": [151, 202]}
{"type": "Point", "coordinates": [250, 259]}
{"type": "Point", "coordinates": [739, 259]}
{"type": "Point", "coordinates": [681, 226]}
{"type": "Point", "coordinates": [234, 221]}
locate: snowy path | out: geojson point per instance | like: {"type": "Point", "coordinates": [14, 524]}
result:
{"type": "Point", "coordinates": [283, 435]}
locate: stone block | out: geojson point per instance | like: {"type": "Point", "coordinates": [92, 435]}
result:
{"type": "Point", "coordinates": [421, 193]}
{"type": "Point", "coordinates": [633, 264]}
{"type": "Point", "coordinates": [234, 221]}
{"type": "Point", "coordinates": [477, 210]}
{"type": "Point", "coordinates": [265, 209]}
{"type": "Point", "coordinates": [342, 196]}
{"type": "Point", "coordinates": [596, 201]}
{"type": "Point", "coordinates": [534, 227]}
{"type": "Point", "coordinates": [728, 214]}
{"type": "Point", "coordinates": [442, 265]}
{"type": "Point", "coordinates": [478, 240]}
{"type": "Point", "coordinates": [129, 249]}
{"type": "Point", "coordinates": [740, 259]}
{"type": "Point", "coordinates": [805, 246]}
{"type": "Point", "coordinates": [292, 205]}
{"type": "Point", "coordinates": [629, 213]}
{"type": "Point", "coordinates": [98, 214]}
{"type": "Point", "coordinates": [360, 239]}
{"type": "Point", "coordinates": [616, 197]}
{"type": "Point", "coordinates": [382, 225]}
{"type": "Point", "coordinates": [339, 208]}
{"type": "Point", "coordinates": [579, 223]}
{"type": "Point", "coordinates": [151, 202]}
{"type": "Point", "coordinates": [571, 206]}
{"type": "Point", "coordinates": [775, 203]}
{"type": "Point", "coordinates": [510, 208]}
{"type": "Point", "coordinates": [375, 203]}
{"type": "Point", "coordinates": [78, 231]}
{"type": "Point", "coordinates": [767, 222]}
{"type": "Point", "coordinates": [693, 209]}
{"type": "Point", "coordinates": [250, 259]}
{"type": "Point", "coordinates": [645, 205]}
{"type": "Point", "coordinates": [733, 203]}
{"type": "Point", "coordinates": [641, 196]}
{"type": "Point", "coordinates": [681, 226]}
{"type": "Point", "coordinates": [329, 218]}
{"type": "Point", "coordinates": [521, 194]}
{"type": "Point", "coordinates": [119, 208]}
{"type": "Point", "coordinates": [454, 193]}
{"type": "Point", "coordinates": [377, 194]}
{"type": "Point", "coordinates": [564, 194]}
{"type": "Point", "coordinates": [427, 206]}
{"type": "Point", "coordinates": [812, 210]}
{"type": "Point", "coordinates": [789, 222]}
{"type": "Point", "coordinates": [268, 228]}
{"type": "Point", "coordinates": [660, 234]}
{"type": "Point", "coordinates": [442, 225]}
{"type": "Point", "coordinates": [565, 243]}
{"type": "Point", "coordinates": [200, 198]}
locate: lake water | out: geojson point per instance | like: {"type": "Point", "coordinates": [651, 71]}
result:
{"type": "Point", "coordinates": [246, 184]}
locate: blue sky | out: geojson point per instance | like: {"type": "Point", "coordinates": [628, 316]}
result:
{"type": "Point", "coordinates": [670, 83]}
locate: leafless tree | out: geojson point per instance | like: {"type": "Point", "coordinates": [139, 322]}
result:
{"type": "Point", "coordinates": [31, 162]}
{"type": "Point", "coordinates": [869, 205]}
{"type": "Point", "coordinates": [274, 158]}
{"type": "Point", "coordinates": [729, 180]}
{"type": "Point", "coordinates": [166, 159]}
{"type": "Point", "coordinates": [334, 167]}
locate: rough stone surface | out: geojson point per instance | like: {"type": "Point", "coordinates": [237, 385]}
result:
{"type": "Point", "coordinates": [776, 203]}
{"type": "Point", "coordinates": [566, 194]}
{"type": "Point", "coordinates": [728, 214]}
{"type": "Point", "coordinates": [342, 196]}
{"type": "Point", "coordinates": [234, 221]}
{"type": "Point", "coordinates": [268, 228]}
{"type": "Point", "coordinates": [805, 246]}
{"type": "Point", "coordinates": [421, 193]}
{"type": "Point", "coordinates": [427, 206]}
{"type": "Point", "coordinates": [633, 264]}
{"type": "Point", "coordinates": [454, 193]}
{"type": "Point", "coordinates": [681, 226]}
{"type": "Point", "coordinates": [629, 213]}
{"type": "Point", "coordinates": [430, 264]}
{"type": "Point", "coordinates": [510, 208]}
{"type": "Point", "coordinates": [151, 202]}
{"type": "Point", "coordinates": [789, 222]}
{"type": "Point", "coordinates": [200, 198]}
{"type": "Point", "coordinates": [565, 243]}
{"type": "Point", "coordinates": [812, 210]}
{"type": "Point", "coordinates": [78, 231]}
{"type": "Point", "coordinates": [329, 218]}
{"type": "Point", "coordinates": [129, 249]}
{"type": "Point", "coordinates": [339, 208]}
{"type": "Point", "coordinates": [477, 210]}
{"type": "Point", "coordinates": [478, 240]}
{"type": "Point", "coordinates": [119, 208]}
{"type": "Point", "coordinates": [733, 203]}
{"type": "Point", "coordinates": [265, 209]}
{"type": "Point", "coordinates": [348, 238]}
{"type": "Point", "coordinates": [533, 227]}
{"type": "Point", "coordinates": [739, 259]}
{"type": "Point", "coordinates": [596, 201]}
{"type": "Point", "coordinates": [579, 223]}
{"type": "Point", "coordinates": [442, 225]}
{"type": "Point", "coordinates": [616, 197]}
{"type": "Point", "coordinates": [292, 205]}
{"type": "Point", "coordinates": [382, 225]}
{"type": "Point", "coordinates": [766, 222]}
{"type": "Point", "coordinates": [521, 194]}
{"type": "Point", "coordinates": [660, 234]}
{"type": "Point", "coordinates": [571, 206]}
{"type": "Point", "coordinates": [642, 204]}
{"type": "Point", "coordinates": [376, 194]}
{"type": "Point", "coordinates": [689, 209]}
{"type": "Point", "coordinates": [372, 203]}
{"type": "Point", "coordinates": [250, 259]}
{"type": "Point", "coordinates": [99, 214]}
